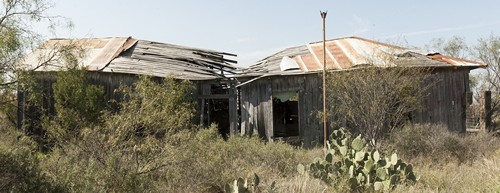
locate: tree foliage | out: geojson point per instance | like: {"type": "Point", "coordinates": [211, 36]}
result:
{"type": "Point", "coordinates": [454, 47]}
{"type": "Point", "coordinates": [17, 37]}
{"type": "Point", "coordinates": [488, 51]}
{"type": "Point", "coordinates": [133, 146]}
{"type": "Point", "coordinates": [17, 18]}
{"type": "Point", "coordinates": [374, 101]}
{"type": "Point", "coordinates": [78, 104]}
{"type": "Point", "coordinates": [151, 108]}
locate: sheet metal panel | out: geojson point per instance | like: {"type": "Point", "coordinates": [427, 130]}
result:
{"type": "Point", "coordinates": [130, 56]}
{"type": "Point", "coordinates": [346, 53]}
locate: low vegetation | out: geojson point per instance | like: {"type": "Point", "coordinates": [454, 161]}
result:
{"type": "Point", "coordinates": [201, 161]}
{"type": "Point", "coordinates": [380, 101]}
{"type": "Point", "coordinates": [364, 168]}
{"type": "Point", "coordinates": [149, 146]}
{"type": "Point", "coordinates": [436, 143]}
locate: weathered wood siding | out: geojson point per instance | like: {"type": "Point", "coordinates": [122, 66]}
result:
{"type": "Point", "coordinates": [444, 104]}
{"type": "Point", "coordinates": [257, 112]}
{"type": "Point", "coordinates": [110, 82]}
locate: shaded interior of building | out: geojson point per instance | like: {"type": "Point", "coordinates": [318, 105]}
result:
{"type": "Point", "coordinates": [285, 114]}
{"type": "Point", "coordinates": [215, 110]}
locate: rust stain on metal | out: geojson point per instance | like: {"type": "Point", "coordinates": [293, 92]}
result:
{"type": "Point", "coordinates": [301, 64]}
{"type": "Point", "coordinates": [350, 51]}
{"type": "Point", "coordinates": [339, 55]}
{"type": "Point", "coordinates": [317, 50]}
{"type": "Point", "coordinates": [310, 62]}
{"type": "Point", "coordinates": [454, 61]}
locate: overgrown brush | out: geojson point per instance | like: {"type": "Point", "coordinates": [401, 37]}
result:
{"type": "Point", "coordinates": [478, 176]}
{"type": "Point", "coordinates": [437, 143]}
{"type": "Point", "coordinates": [151, 144]}
{"type": "Point", "coordinates": [19, 165]}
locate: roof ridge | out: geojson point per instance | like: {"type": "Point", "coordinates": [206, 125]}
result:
{"type": "Point", "coordinates": [89, 38]}
{"type": "Point", "coordinates": [361, 39]}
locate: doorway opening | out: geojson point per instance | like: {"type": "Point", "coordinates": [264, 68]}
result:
{"type": "Point", "coordinates": [216, 109]}
{"type": "Point", "coordinates": [285, 114]}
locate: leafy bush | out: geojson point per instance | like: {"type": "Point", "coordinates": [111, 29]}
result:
{"type": "Point", "coordinates": [375, 101]}
{"type": "Point", "coordinates": [151, 108]}
{"type": "Point", "coordinates": [151, 144]}
{"type": "Point", "coordinates": [218, 161]}
{"type": "Point", "coordinates": [438, 143]}
{"type": "Point", "coordinates": [364, 168]}
{"type": "Point", "coordinates": [78, 104]}
{"type": "Point", "coordinates": [19, 164]}
{"type": "Point", "coordinates": [130, 150]}
{"type": "Point", "coordinates": [20, 173]}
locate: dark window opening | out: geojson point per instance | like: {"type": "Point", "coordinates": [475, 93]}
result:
{"type": "Point", "coordinates": [285, 114]}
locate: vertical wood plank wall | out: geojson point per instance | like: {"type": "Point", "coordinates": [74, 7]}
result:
{"type": "Point", "coordinates": [444, 104]}
{"type": "Point", "coordinates": [256, 105]}
{"type": "Point", "coordinates": [446, 101]}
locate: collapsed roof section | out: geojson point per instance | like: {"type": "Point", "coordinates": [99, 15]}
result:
{"type": "Point", "coordinates": [130, 56]}
{"type": "Point", "coordinates": [349, 53]}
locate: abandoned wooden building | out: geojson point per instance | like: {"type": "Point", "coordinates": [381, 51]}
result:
{"type": "Point", "coordinates": [280, 94]}
{"type": "Point", "coordinates": [114, 61]}
{"type": "Point", "coordinates": [277, 97]}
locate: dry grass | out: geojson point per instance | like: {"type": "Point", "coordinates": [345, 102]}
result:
{"type": "Point", "coordinates": [203, 162]}
{"type": "Point", "coordinates": [480, 176]}
{"type": "Point", "coordinates": [447, 161]}
{"type": "Point", "coordinates": [436, 144]}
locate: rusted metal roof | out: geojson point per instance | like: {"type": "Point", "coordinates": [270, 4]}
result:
{"type": "Point", "coordinates": [350, 52]}
{"type": "Point", "coordinates": [131, 56]}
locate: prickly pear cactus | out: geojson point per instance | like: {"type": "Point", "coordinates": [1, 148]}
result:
{"type": "Point", "coordinates": [364, 167]}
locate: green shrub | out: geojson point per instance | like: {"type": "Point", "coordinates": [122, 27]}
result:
{"type": "Point", "coordinates": [78, 104]}
{"type": "Point", "coordinates": [218, 162]}
{"type": "Point", "coordinates": [151, 144]}
{"type": "Point", "coordinates": [151, 108]}
{"type": "Point", "coordinates": [20, 173]}
{"type": "Point", "coordinates": [130, 150]}
{"type": "Point", "coordinates": [186, 161]}
{"type": "Point", "coordinates": [436, 142]}
{"type": "Point", "coordinates": [19, 164]}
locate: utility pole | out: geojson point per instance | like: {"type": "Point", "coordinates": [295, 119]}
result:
{"type": "Point", "coordinates": [323, 16]}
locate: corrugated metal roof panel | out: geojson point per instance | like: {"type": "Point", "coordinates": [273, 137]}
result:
{"type": "Point", "coordinates": [95, 54]}
{"type": "Point", "coordinates": [109, 52]}
{"type": "Point", "coordinates": [346, 53]}
{"type": "Point", "coordinates": [127, 55]}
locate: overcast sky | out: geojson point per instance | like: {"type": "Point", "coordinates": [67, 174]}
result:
{"type": "Point", "coordinates": [258, 28]}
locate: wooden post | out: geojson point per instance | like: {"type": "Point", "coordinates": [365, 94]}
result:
{"type": "Point", "coordinates": [485, 117]}
{"type": "Point", "coordinates": [233, 111]}
{"type": "Point", "coordinates": [323, 16]}
{"type": "Point", "coordinates": [269, 111]}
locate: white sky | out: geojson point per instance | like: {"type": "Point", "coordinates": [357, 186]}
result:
{"type": "Point", "coordinates": [258, 28]}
